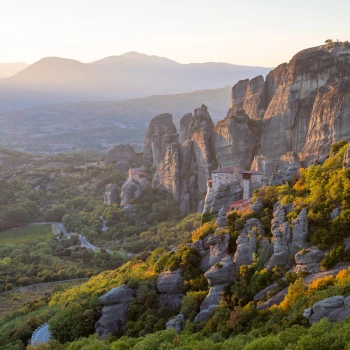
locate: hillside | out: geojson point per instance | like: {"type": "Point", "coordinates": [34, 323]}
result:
{"type": "Point", "coordinates": [271, 278]}
{"type": "Point", "coordinates": [132, 75]}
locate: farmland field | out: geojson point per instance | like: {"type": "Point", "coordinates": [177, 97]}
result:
{"type": "Point", "coordinates": [25, 235]}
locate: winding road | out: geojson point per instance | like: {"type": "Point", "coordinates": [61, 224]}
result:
{"type": "Point", "coordinates": [41, 335]}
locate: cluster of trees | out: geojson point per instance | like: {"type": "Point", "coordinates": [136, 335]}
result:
{"type": "Point", "coordinates": [337, 43]}
{"type": "Point", "coordinates": [51, 261]}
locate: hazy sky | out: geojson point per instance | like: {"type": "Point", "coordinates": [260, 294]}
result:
{"type": "Point", "coordinates": [246, 32]}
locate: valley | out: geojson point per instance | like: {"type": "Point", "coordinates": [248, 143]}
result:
{"type": "Point", "coordinates": [195, 228]}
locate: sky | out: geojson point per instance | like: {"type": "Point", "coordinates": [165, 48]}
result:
{"type": "Point", "coordinates": [248, 32]}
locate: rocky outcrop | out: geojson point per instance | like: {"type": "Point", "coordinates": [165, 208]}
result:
{"type": "Point", "coordinates": [122, 166]}
{"type": "Point", "coordinates": [281, 237]}
{"type": "Point", "coordinates": [111, 194]}
{"type": "Point", "coordinates": [277, 179]}
{"type": "Point", "coordinates": [121, 152]}
{"type": "Point", "coordinates": [167, 175]}
{"type": "Point", "coordinates": [218, 249]}
{"type": "Point", "coordinates": [176, 322]}
{"type": "Point", "coordinates": [114, 312]}
{"type": "Point", "coordinates": [184, 127]}
{"type": "Point", "coordinates": [308, 260]}
{"type": "Point", "coordinates": [292, 174]}
{"type": "Point", "coordinates": [169, 285]}
{"type": "Point", "coordinates": [221, 221]}
{"type": "Point", "coordinates": [247, 243]}
{"type": "Point", "coordinates": [335, 308]}
{"type": "Point", "coordinates": [222, 197]}
{"type": "Point", "coordinates": [346, 159]}
{"type": "Point", "coordinates": [235, 142]}
{"type": "Point", "coordinates": [249, 96]}
{"type": "Point", "coordinates": [219, 276]}
{"type": "Point", "coordinates": [279, 297]}
{"type": "Point", "coordinates": [134, 185]}
{"type": "Point", "coordinates": [160, 127]}
{"type": "Point", "coordinates": [299, 231]}
{"type": "Point", "coordinates": [257, 206]}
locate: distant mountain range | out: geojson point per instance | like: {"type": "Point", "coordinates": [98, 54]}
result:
{"type": "Point", "coordinates": [131, 75]}
{"type": "Point", "coordinates": [99, 125]}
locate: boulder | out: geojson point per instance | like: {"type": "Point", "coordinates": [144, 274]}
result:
{"type": "Point", "coordinates": [277, 179]}
{"type": "Point", "coordinates": [309, 256]}
{"type": "Point", "coordinates": [204, 315]}
{"type": "Point", "coordinates": [333, 308]}
{"type": "Point", "coordinates": [292, 173]}
{"type": "Point", "coordinates": [218, 249]}
{"type": "Point", "coordinates": [176, 322]}
{"type": "Point", "coordinates": [222, 273]}
{"type": "Point", "coordinates": [170, 282]}
{"type": "Point", "coordinates": [346, 159]}
{"type": "Point", "coordinates": [114, 312]}
{"type": "Point", "coordinates": [159, 128]}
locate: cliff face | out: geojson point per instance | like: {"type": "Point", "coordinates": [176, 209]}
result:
{"type": "Point", "coordinates": [235, 142]}
{"type": "Point", "coordinates": [249, 96]}
{"type": "Point", "coordinates": [158, 128]}
{"type": "Point", "coordinates": [183, 168]}
{"type": "Point", "coordinates": [330, 119]}
{"type": "Point", "coordinates": [285, 121]}
{"type": "Point", "coordinates": [299, 89]}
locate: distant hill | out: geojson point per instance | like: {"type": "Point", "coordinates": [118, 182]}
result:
{"type": "Point", "coordinates": [9, 69]}
{"type": "Point", "coordinates": [99, 125]}
{"type": "Point", "coordinates": [131, 75]}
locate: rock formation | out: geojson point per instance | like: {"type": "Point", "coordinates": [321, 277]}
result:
{"type": "Point", "coordinates": [247, 243]}
{"type": "Point", "coordinates": [216, 251]}
{"type": "Point", "coordinates": [221, 221]}
{"type": "Point", "coordinates": [114, 312]}
{"type": "Point", "coordinates": [160, 127]}
{"type": "Point", "coordinates": [235, 142]}
{"type": "Point", "coordinates": [281, 237]}
{"type": "Point", "coordinates": [134, 185]}
{"type": "Point", "coordinates": [335, 308]}
{"type": "Point", "coordinates": [346, 160]}
{"type": "Point", "coordinates": [219, 276]}
{"type": "Point", "coordinates": [169, 285]}
{"type": "Point", "coordinates": [277, 179]}
{"type": "Point", "coordinates": [176, 322]}
{"type": "Point", "coordinates": [308, 260]}
{"type": "Point", "coordinates": [111, 194]}
{"type": "Point", "coordinates": [223, 197]}
{"type": "Point", "coordinates": [273, 126]}
{"type": "Point", "coordinates": [249, 96]}
{"type": "Point", "coordinates": [286, 241]}
{"type": "Point", "coordinates": [300, 229]}
{"type": "Point", "coordinates": [121, 152]}
{"type": "Point", "coordinates": [122, 166]}
{"type": "Point", "coordinates": [183, 163]}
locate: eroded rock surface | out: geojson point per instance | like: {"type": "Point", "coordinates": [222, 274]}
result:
{"type": "Point", "coordinates": [336, 308]}
{"type": "Point", "coordinates": [115, 310]}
